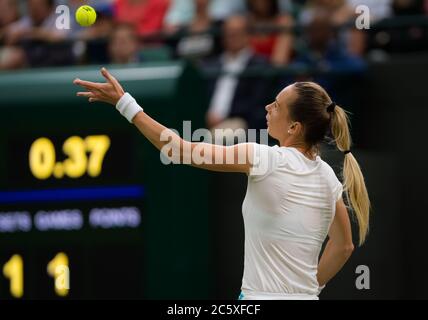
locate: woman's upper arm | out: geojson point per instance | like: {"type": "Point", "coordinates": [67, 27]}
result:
{"type": "Point", "coordinates": [340, 230]}
{"type": "Point", "coordinates": [236, 158]}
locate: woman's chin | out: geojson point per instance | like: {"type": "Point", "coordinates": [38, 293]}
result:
{"type": "Point", "coordinates": [269, 132]}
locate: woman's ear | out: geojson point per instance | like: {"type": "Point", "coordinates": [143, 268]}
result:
{"type": "Point", "coordinates": [292, 128]}
{"type": "Point", "coordinates": [296, 128]}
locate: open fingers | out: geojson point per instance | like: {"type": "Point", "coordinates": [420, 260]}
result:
{"type": "Point", "coordinates": [86, 94]}
{"type": "Point", "coordinates": [93, 90]}
{"type": "Point", "coordinates": [93, 99]}
{"type": "Point", "coordinates": [107, 75]}
{"type": "Point", "coordinates": [87, 84]}
{"type": "Point", "coordinates": [88, 88]}
{"type": "Point", "coordinates": [111, 79]}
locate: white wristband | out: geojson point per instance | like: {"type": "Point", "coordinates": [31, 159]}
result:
{"type": "Point", "coordinates": [128, 107]}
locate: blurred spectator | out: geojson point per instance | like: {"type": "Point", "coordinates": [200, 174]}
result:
{"type": "Point", "coordinates": [35, 40]}
{"type": "Point", "coordinates": [146, 15]}
{"type": "Point", "coordinates": [340, 11]}
{"type": "Point", "coordinates": [265, 15]}
{"type": "Point", "coordinates": [323, 50]}
{"type": "Point", "coordinates": [343, 17]}
{"type": "Point", "coordinates": [38, 24]}
{"type": "Point", "coordinates": [9, 12]}
{"type": "Point", "coordinates": [239, 100]}
{"type": "Point", "coordinates": [199, 39]}
{"type": "Point", "coordinates": [124, 45]}
{"type": "Point", "coordinates": [182, 12]}
{"type": "Point", "coordinates": [325, 60]}
{"type": "Point", "coordinates": [357, 42]}
{"type": "Point", "coordinates": [324, 53]}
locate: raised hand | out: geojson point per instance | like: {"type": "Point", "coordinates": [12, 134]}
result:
{"type": "Point", "coordinates": [109, 92]}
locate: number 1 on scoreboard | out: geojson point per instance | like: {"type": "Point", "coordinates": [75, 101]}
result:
{"type": "Point", "coordinates": [59, 270]}
{"type": "Point", "coordinates": [14, 271]}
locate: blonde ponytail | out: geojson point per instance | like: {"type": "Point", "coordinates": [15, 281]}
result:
{"type": "Point", "coordinates": [353, 180]}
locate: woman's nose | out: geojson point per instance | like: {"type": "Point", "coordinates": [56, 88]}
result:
{"type": "Point", "coordinates": [267, 107]}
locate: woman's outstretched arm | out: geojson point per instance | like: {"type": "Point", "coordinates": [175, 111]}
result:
{"type": "Point", "coordinates": [235, 158]}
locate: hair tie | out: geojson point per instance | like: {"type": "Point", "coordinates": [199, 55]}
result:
{"type": "Point", "coordinates": [346, 152]}
{"type": "Point", "coordinates": [331, 107]}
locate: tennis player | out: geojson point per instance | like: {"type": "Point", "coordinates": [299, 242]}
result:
{"type": "Point", "coordinates": [293, 200]}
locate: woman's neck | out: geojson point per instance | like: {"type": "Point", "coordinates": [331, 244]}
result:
{"type": "Point", "coordinates": [301, 146]}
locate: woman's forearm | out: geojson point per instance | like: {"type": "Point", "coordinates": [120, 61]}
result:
{"type": "Point", "coordinates": [332, 260]}
{"type": "Point", "coordinates": [153, 130]}
{"type": "Point", "coordinates": [201, 155]}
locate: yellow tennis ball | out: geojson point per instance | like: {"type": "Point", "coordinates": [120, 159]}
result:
{"type": "Point", "coordinates": [86, 16]}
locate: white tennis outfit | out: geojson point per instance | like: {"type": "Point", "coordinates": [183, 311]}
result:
{"type": "Point", "coordinates": [288, 209]}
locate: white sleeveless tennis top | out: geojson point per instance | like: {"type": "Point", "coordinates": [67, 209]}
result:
{"type": "Point", "coordinates": [288, 209]}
